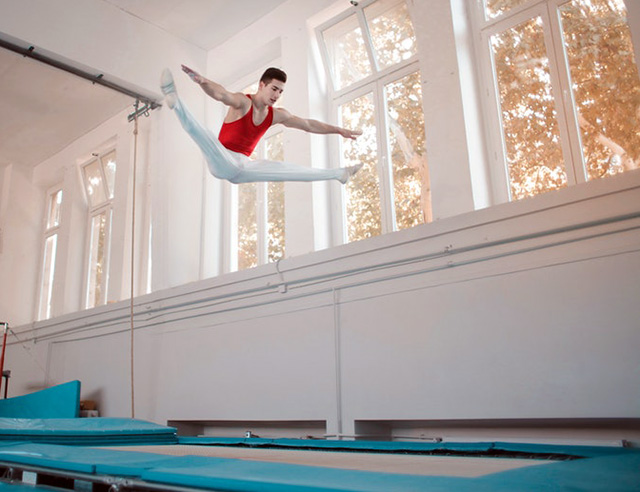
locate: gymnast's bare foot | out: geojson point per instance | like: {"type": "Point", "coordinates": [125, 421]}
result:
{"type": "Point", "coordinates": [168, 88]}
{"type": "Point", "coordinates": [350, 171]}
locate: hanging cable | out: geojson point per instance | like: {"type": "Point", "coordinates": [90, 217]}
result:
{"type": "Point", "coordinates": [133, 233]}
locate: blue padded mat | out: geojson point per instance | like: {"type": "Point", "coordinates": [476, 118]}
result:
{"type": "Point", "coordinates": [254, 476]}
{"type": "Point", "coordinates": [442, 448]}
{"type": "Point", "coordinates": [18, 487]}
{"type": "Point", "coordinates": [82, 460]}
{"type": "Point", "coordinates": [61, 401]}
{"type": "Point", "coordinates": [619, 471]}
{"type": "Point", "coordinates": [94, 431]}
{"type": "Point", "coordinates": [616, 473]}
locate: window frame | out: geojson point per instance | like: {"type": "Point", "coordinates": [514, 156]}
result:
{"type": "Point", "coordinates": [94, 211]}
{"type": "Point", "coordinates": [375, 84]}
{"type": "Point", "coordinates": [48, 232]}
{"type": "Point", "coordinates": [262, 212]}
{"type": "Point", "coordinates": [560, 79]}
{"type": "Point", "coordinates": [376, 73]}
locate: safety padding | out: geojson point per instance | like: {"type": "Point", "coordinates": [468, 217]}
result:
{"type": "Point", "coordinates": [618, 472]}
{"type": "Point", "coordinates": [82, 460]}
{"type": "Point", "coordinates": [479, 449]}
{"type": "Point", "coordinates": [86, 432]}
{"type": "Point", "coordinates": [235, 475]}
{"type": "Point", "coordinates": [58, 402]}
{"type": "Point", "coordinates": [16, 487]}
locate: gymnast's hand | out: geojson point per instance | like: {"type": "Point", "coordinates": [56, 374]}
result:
{"type": "Point", "coordinates": [195, 76]}
{"type": "Point", "coordinates": [351, 134]}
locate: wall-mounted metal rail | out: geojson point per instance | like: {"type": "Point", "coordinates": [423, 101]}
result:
{"type": "Point", "coordinates": [32, 53]}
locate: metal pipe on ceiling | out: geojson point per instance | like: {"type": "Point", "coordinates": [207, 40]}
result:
{"type": "Point", "coordinates": [31, 52]}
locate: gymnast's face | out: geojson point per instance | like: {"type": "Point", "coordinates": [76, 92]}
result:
{"type": "Point", "coordinates": [272, 91]}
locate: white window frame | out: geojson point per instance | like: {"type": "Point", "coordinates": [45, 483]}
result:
{"type": "Point", "coordinates": [48, 232]}
{"type": "Point", "coordinates": [92, 212]}
{"type": "Point", "coordinates": [374, 84]}
{"type": "Point", "coordinates": [262, 212]}
{"type": "Point", "coordinates": [566, 112]}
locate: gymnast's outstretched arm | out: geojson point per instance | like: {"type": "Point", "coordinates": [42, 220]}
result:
{"type": "Point", "coordinates": [285, 118]}
{"type": "Point", "coordinates": [235, 100]}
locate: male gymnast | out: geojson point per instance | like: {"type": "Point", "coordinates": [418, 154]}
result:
{"type": "Point", "coordinates": [247, 120]}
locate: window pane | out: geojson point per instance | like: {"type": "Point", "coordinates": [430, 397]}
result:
{"type": "Point", "coordinates": [275, 203]}
{"type": "Point", "coordinates": [48, 271]}
{"type": "Point", "coordinates": [494, 8]}
{"type": "Point", "coordinates": [93, 183]}
{"type": "Point", "coordinates": [529, 124]}
{"type": "Point", "coordinates": [391, 32]}
{"type": "Point", "coordinates": [55, 201]}
{"type": "Point", "coordinates": [363, 190]}
{"type": "Point", "coordinates": [348, 57]}
{"type": "Point", "coordinates": [407, 143]}
{"type": "Point", "coordinates": [275, 233]}
{"type": "Point", "coordinates": [109, 166]}
{"type": "Point", "coordinates": [247, 226]}
{"type": "Point", "coordinates": [605, 84]}
{"type": "Point", "coordinates": [100, 225]}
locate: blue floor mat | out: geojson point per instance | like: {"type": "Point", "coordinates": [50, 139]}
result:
{"type": "Point", "coordinates": [61, 401]}
{"type": "Point", "coordinates": [88, 432]}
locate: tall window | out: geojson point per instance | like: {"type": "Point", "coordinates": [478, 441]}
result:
{"type": "Point", "coordinates": [261, 212]}
{"type": "Point", "coordinates": [99, 180]}
{"type": "Point", "coordinates": [567, 92]}
{"type": "Point", "coordinates": [370, 53]}
{"type": "Point", "coordinates": [261, 206]}
{"type": "Point", "coordinates": [52, 224]}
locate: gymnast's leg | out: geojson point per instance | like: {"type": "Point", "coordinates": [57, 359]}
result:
{"type": "Point", "coordinates": [220, 161]}
{"type": "Point", "coordinates": [234, 167]}
{"type": "Point", "coordinates": [264, 170]}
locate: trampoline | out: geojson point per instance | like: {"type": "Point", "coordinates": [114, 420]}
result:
{"type": "Point", "coordinates": [118, 454]}
{"type": "Point", "coordinates": [252, 464]}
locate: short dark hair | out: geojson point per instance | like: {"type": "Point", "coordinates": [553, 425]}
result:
{"type": "Point", "coordinates": [273, 73]}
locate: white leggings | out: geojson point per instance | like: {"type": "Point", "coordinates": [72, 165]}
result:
{"type": "Point", "coordinates": [238, 168]}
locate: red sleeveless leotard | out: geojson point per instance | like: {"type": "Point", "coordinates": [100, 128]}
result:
{"type": "Point", "coordinates": [242, 135]}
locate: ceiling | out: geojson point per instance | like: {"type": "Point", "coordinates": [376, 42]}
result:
{"type": "Point", "coordinates": [204, 23]}
{"type": "Point", "coordinates": [44, 109]}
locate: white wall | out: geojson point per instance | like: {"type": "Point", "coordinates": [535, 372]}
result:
{"type": "Point", "coordinates": [132, 53]}
{"type": "Point", "coordinates": [20, 239]}
{"type": "Point", "coordinates": [446, 135]}
{"type": "Point", "coordinates": [525, 310]}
